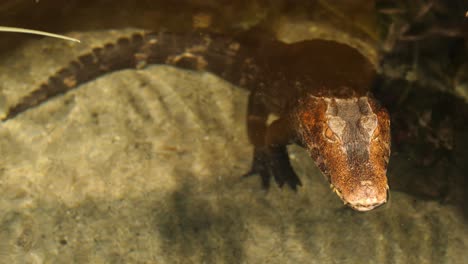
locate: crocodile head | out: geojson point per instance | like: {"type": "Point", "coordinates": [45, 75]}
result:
{"type": "Point", "coordinates": [349, 140]}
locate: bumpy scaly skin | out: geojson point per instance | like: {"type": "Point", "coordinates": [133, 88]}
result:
{"type": "Point", "coordinates": [349, 141]}
{"type": "Point", "coordinates": [190, 51]}
{"type": "Point", "coordinates": [319, 89]}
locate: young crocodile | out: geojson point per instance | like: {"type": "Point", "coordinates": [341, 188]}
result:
{"type": "Point", "coordinates": [318, 89]}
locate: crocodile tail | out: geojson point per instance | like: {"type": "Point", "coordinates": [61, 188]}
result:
{"type": "Point", "coordinates": [195, 51]}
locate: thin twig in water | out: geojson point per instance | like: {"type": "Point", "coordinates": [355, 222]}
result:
{"type": "Point", "coordinates": [36, 32]}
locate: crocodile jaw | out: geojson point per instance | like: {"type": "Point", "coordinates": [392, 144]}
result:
{"type": "Point", "coordinates": [365, 199]}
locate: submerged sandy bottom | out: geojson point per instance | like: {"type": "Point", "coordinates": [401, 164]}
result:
{"type": "Point", "coordinates": [145, 167]}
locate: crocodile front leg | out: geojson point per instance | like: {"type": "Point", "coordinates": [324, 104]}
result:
{"type": "Point", "coordinates": [270, 158]}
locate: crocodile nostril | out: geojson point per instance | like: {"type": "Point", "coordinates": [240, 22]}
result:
{"type": "Point", "coordinates": [366, 197]}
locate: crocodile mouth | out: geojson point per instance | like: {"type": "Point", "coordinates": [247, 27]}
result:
{"type": "Point", "coordinates": [366, 205]}
{"type": "Point", "coordinates": [361, 200]}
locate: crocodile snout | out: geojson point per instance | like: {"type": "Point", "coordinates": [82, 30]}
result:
{"type": "Point", "coordinates": [364, 196]}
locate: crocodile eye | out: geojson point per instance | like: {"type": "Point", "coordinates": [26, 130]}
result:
{"type": "Point", "coordinates": [369, 121]}
{"type": "Point", "coordinates": [334, 128]}
{"type": "Point", "coordinates": [376, 133]}
{"type": "Point", "coordinates": [329, 134]}
{"type": "Point", "coordinates": [369, 124]}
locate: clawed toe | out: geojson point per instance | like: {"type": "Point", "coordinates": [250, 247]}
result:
{"type": "Point", "coordinates": [273, 163]}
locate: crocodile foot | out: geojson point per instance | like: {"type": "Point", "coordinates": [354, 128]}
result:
{"type": "Point", "coordinates": [273, 162]}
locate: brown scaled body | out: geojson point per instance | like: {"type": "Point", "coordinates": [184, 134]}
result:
{"type": "Point", "coordinates": [318, 89]}
{"type": "Point", "coordinates": [324, 104]}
